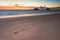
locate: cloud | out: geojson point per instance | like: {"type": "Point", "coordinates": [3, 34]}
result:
{"type": "Point", "coordinates": [30, 2]}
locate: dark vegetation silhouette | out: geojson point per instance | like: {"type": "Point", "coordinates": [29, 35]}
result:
{"type": "Point", "coordinates": [35, 9]}
{"type": "Point", "coordinates": [47, 8]}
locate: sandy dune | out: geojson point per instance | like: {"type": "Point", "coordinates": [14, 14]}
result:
{"type": "Point", "coordinates": [45, 27]}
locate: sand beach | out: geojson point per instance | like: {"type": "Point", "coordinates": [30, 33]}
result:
{"type": "Point", "coordinates": [40, 27]}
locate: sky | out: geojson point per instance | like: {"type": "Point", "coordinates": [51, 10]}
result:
{"type": "Point", "coordinates": [47, 3]}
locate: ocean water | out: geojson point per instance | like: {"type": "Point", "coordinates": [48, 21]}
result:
{"type": "Point", "coordinates": [18, 12]}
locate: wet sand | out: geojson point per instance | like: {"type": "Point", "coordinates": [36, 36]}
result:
{"type": "Point", "coordinates": [43, 27]}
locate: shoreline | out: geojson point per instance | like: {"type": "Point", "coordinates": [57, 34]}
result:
{"type": "Point", "coordinates": [26, 15]}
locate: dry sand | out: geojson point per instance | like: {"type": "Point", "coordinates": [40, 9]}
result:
{"type": "Point", "coordinates": [45, 27]}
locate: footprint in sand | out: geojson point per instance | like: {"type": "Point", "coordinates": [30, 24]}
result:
{"type": "Point", "coordinates": [18, 31]}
